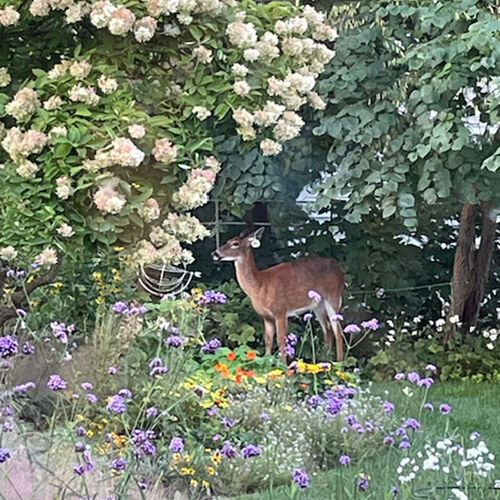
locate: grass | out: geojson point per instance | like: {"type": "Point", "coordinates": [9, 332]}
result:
{"type": "Point", "coordinates": [475, 407]}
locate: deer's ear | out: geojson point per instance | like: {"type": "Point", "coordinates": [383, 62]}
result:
{"type": "Point", "coordinates": [255, 237]}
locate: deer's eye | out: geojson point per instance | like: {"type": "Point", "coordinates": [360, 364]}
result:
{"type": "Point", "coordinates": [235, 244]}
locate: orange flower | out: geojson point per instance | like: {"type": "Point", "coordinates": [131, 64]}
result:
{"type": "Point", "coordinates": [220, 367]}
{"type": "Point", "coordinates": [251, 355]}
{"type": "Point", "coordinates": [231, 356]}
{"type": "Point", "coordinates": [237, 379]}
{"type": "Point", "coordinates": [248, 373]}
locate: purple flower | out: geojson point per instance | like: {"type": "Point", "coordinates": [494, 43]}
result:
{"type": "Point", "coordinates": [211, 346]}
{"type": "Point", "coordinates": [228, 423]}
{"type": "Point", "coordinates": [91, 398]}
{"type": "Point", "coordinates": [86, 386]}
{"type": "Point", "coordinates": [431, 368]}
{"type": "Point", "coordinates": [400, 431]}
{"type": "Point", "coordinates": [404, 445]}
{"type": "Point", "coordinates": [474, 435]}
{"type": "Point", "coordinates": [362, 482]}
{"type": "Point", "coordinates": [4, 455]}
{"type": "Point", "coordinates": [264, 415]}
{"type": "Point", "coordinates": [8, 346]}
{"type": "Point", "coordinates": [212, 297]}
{"type": "Point", "coordinates": [21, 312]}
{"type": "Point", "coordinates": [176, 445]}
{"type": "Point", "coordinates": [142, 440]}
{"type": "Point", "coordinates": [388, 440]}
{"type": "Point", "coordinates": [352, 328]}
{"type": "Point", "coordinates": [216, 437]}
{"type": "Point", "coordinates": [314, 401]}
{"type": "Point", "coordinates": [158, 370]}
{"type": "Point", "coordinates": [60, 331]}
{"type": "Point", "coordinates": [228, 450]}
{"type": "Point", "coordinates": [10, 273]}
{"type": "Point", "coordinates": [413, 377]}
{"type": "Point", "coordinates": [250, 450]}
{"type": "Point", "coordinates": [81, 431]}
{"type": "Point", "coordinates": [28, 348]}
{"type": "Point", "coordinates": [444, 408]}
{"type": "Point", "coordinates": [155, 362]}
{"type": "Point", "coordinates": [399, 376]}
{"type": "Point", "coordinates": [425, 382]}
{"type": "Point", "coordinates": [372, 324]}
{"type": "Point", "coordinates": [111, 370]}
{"type": "Point", "coordinates": [124, 393]}
{"type": "Point", "coordinates": [152, 411]}
{"type": "Point", "coordinates": [314, 295]}
{"type": "Point", "coordinates": [388, 407]}
{"type": "Point", "coordinates": [143, 484]}
{"type": "Point", "coordinates": [337, 317]}
{"type": "Point", "coordinates": [118, 464]}
{"type": "Point", "coordinates": [56, 383]}
{"type": "Point", "coordinates": [80, 447]}
{"type": "Point", "coordinates": [289, 351]}
{"type": "Point", "coordinates": [24, 387]}
{"type": "Point", "coordinates": [301, 478]}
{"type": "Point", "coordinates": [174, 341]}
{"type": "Point", "coordinates": [87, 458]}
{"type": "Point", "coordinates": [307, 316]}
{"type": "Point", "coordinates": [120, 306]}
{"type": "Point", "coordinates": [80, 469]}
{"type": "Point", "coordinates": [412, 423]}
{"type": "Point", "coordinates": [116, 404]}
{"type": "Point", "coordinates": [429, 406]}
{"type": "Point", "coordinates": [292, 339]}
{"type": "Point", "coordinates": [345, 459]}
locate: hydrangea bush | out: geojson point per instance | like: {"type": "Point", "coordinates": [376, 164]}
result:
{"type": "Point", "coordinates": [114, 142]}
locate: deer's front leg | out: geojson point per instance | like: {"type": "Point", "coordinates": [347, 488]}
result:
{"type": "Point", "coordinates": [282, 330]}
{"type": "Point", "coordinates": [269, 328]}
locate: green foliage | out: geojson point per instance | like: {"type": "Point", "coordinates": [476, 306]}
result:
{"type": "Point", "coordinates": [407, 84]}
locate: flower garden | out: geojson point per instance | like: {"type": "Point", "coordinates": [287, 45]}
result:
{"type": "Point", "coordinates": [134, 135]}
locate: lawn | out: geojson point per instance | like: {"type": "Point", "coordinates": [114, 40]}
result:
{"type": "Point", "coordinates": [475, 407]}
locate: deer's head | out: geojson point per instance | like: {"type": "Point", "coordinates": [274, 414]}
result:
{"type": "Point", "coordinates": [235, 248]}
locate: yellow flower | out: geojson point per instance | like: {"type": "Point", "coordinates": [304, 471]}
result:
{"type": "Point", "coordinates": [205, 484]}
{"type": "Point", "coordinates": [187, 471]}
{"type": "Point", "coordinates": [118, 248]}
{"type": "Point", "coordinates": [97, 275]}
{"type": "Point", "coordinates": [29, 280]}
{"type": "Point", "coordinates": [210, 469]}
{"type": "Point", "coordinates": [288, 408]}
{"type": "Point", "coordinates": [90, 433]}
{"type": "Point", "coordinates": [216, 457]}
{"type": "Point", "coordinates": [137, 186]}
{"type": "Point", "coordinates": [194, 483]}
{"type": "Point", "coordinates": [100, 300]}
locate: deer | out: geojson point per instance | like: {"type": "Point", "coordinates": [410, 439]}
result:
{"type": "Point", "coordinates": [288, 289]}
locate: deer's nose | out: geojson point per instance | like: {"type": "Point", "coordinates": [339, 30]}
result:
{"type": "Point", "coordinates": [215, 255]}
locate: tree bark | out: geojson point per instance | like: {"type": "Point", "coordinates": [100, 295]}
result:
{"type": "Point", "coordinates": [471, 266]}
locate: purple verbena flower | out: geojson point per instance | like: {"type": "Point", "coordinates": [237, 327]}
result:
{"type": "Point", "coordinates": [56, 383]}
{"type": "Point", "coordinates": [86, 386]}
{"type": "Point", "coordinates": [211, 346]}
{"type": "Point", "coordinates": [444, 408]}
{"type": "Point", "coordinates": [112, 370]}
{"type": "Point", "coordinates": [80, 447]}
{"type": "Point", "coordinates": [292, 339]}
{"type": "Point", "coordinates": [388, 407]}
{"type": "Point", "coordinates": [314, 401]}
{"type": "Point", "coordinates": [116, 404]}
{"type": "Point", "coordinates": [124, 393]}
{"type": "Point", "coordinates": [21, 312]}
{"type": "Point", "coordinates": [24, 387]}
{"type": "Point", "coordinates": [118, 464]}
{"type": "Point", "coordinates": [250, 450]}
{"type": "Point", "coordinates": [314, 295]}
{"type": "Point", "coordinates": [301, 478]}
{"type": "Point", "coordinates": [405, 444]}
{"type": "Point", "coordinates": [412, 423]}
{"type": "Point", "coordinates": [429, 406]}
{"type": "Point", "coordinates": [91, 398]}
{"type": "Point", "coordinates": [81, 431]}
{"type": "Point", "coordinates": [399, 376]}
{"type": "Point", "coordinates": [307, 316]}
{"type": "Point", "coordinates": [228, 423]}
{"type": "Point", "coordinates": [425, 382]}
{"type": "Point", "coordinates": [289, 351]}
{"type": "Point", "coordinates": [228, 450]}
{"type": "Point", "coordinates": [176, 445]}
{"type": "Point", "coordinates": [80, 469]}
{"type": "Point", "coordinates": [413, 377]}
{"type": "Point", "coordinates": [212, 297]}
{"type": "Point", "coordinates": [431, 368]}
{"type": "Point", "coordinates": [345, 459]}
{"type": "Point", "coordinates": [174, 341]}
{"type": "Point", "coordinates": [120, 306]}
{"type": "Point", "coordinates": [371, 324]}
{"type": "Point", "coordinates": [352, 328]}
{"type": "Point", "coordinates": [152, 411]}
{"type": "Point", "coordinates": [362, 482]}
{"type": "Point", "coordinates": [28, 348]}
{"type": "Point", "coordinates": [158, 370]}
{"type": "Point", "coordinates": [8, 346]}
{"type": "Point", "coordinates": [388, 440]}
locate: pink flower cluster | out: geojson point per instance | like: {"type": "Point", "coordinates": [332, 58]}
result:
{"type": "Point", "coordinates": [108, 200]}
{"type": "Point", "coordinates": [24, 104]}
{"type": "Point", "coordinates": [19, 145]}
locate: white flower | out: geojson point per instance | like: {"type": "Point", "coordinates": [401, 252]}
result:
{"type": "Point", "coordinates": [242, 35]}
{"type": "Point", "coordinates": [251, 55]}
{"type": "Point", "coordinates": [107, 84]}
{"type": "Point", "coordinates": [65, 230]}
{"type": "Point", "coordinates": [136, 131]}
{"type": "Point", "coordinates": [64, 188]}
{"type": "Point", "coordinates": [144, 29]}
{"type": "Point", "coordinates": [201, 112]}
{"type": "Point", "coordinates": [203, 54]}
{"type": "Point", "coordinates": [52, 102]}
{"type": "Point", "coordinates": [239, 70]}
{"type": "Point", "coordinates": [454, 319]}
{"type": "Point", "coordinates": [47, 257]}
{"type": "Point", "coordinates": [80, 69]}
{"type": "Point", "coordinates": [9, 16]}
{"type": "Point", "coordinates": [490, 346]}
{"type": "Point", "coordinates": [241, 87]}
{"type": "Point", "coordinates": [8, 253]}
{"type": "Point", "coordinates": [270, 147]}
{"type": "Point", "coordinates": [4, 77]}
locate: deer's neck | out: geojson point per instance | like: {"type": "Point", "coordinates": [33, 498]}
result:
{"type": "Point", "coordinates": [247, 274]}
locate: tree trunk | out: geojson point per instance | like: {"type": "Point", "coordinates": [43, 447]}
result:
{"type": "Point", "coordinates": [472, 266]}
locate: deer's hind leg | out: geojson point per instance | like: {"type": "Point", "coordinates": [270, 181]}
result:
{"type": "Point", "coordinates": [336, 327]}
{"type": "Point", "coordinates": [322, 317]}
